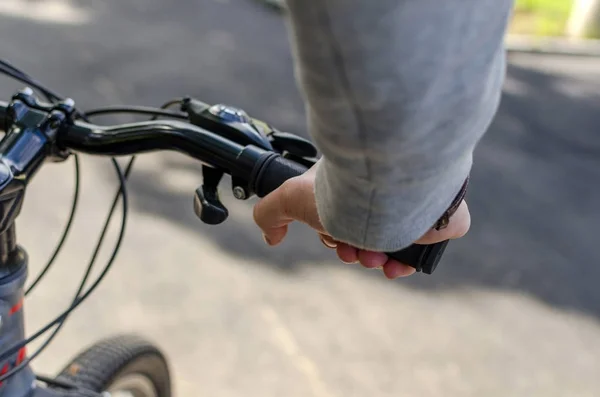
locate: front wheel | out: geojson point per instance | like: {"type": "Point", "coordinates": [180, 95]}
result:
{"type": "Point", "coordinates": [124, 366]}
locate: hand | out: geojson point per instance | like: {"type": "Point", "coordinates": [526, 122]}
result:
{"type": "Point", "coordinates": [295, 201]}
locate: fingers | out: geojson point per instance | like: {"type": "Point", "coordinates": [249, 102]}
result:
{"type": "Point", "coordinates": [373, 260]}
{"type": "Point", "coordinates": [458, 227]}
{"type": "Point", "coordinates": [394, 269]}
{"type": "Point", "coordinates": [347, 253]}
{"type": "Point", "coordinates": [270, 215]}
{"type": "Point", "coordinates": [292, 201]}
{"type": "Point", "coordinates": [275, 235]}
{"type": "Point", "coordinates": [377, 260]}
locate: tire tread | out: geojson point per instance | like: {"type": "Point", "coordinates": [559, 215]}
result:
{"type": "Point", "coordinates": [97, 366]}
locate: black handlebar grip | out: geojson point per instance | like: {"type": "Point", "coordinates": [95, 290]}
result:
{"type": "Point", "coordinates": [272, 170]}
{"type": "Point", "coordinates": [424, 258]}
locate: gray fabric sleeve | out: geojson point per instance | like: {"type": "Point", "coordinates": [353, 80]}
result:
{"type": "Point", "coordinates": [398, 93]}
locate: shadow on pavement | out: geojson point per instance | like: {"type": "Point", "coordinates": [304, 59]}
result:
{"type": "Point", "coordinates": [534, 193]}
{"type": "Point", "coordinates": [534, 196]}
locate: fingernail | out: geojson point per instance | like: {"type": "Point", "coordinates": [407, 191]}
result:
{"type": "Point", "coordinates": [267, 240]}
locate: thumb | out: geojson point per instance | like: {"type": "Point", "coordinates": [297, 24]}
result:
{"type": "Point", "coordinates": [294, 200]}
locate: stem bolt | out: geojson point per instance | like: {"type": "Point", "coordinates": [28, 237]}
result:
{"type": "Point", "coordinates": [239, 193]}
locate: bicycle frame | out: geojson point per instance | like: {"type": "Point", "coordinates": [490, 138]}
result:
{"type": "Point", "coordinates": [23, 150]}
{"type": "Point", "coordinates": [12, 329]}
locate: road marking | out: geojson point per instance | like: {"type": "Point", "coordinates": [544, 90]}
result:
{"type": "Point", "coordinates": [287, 343]}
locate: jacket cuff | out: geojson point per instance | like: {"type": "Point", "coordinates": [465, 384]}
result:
{"type": "Point", "coordinates": [389, 218]}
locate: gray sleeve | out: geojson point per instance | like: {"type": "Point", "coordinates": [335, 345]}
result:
{"type": "Point", "coordinates": [398, 93]}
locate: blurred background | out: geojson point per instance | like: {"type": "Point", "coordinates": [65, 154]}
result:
{"type": "Point", "coordinates": [572, 18]}
{"type": "Point", "coordinates": [514, 309]}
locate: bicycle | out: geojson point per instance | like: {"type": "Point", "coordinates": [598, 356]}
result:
{"type": "Point", "coordinates": [258, 157]}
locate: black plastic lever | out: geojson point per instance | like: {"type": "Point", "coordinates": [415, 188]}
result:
{"type": "Point", "coordinates": [207, 205]}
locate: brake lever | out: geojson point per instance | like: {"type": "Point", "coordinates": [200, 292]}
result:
{"type": "Point", "coordinates": [207, 205]}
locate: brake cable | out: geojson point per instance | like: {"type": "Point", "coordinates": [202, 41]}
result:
{"type": "Point", "coordinates": [79, 299]}
{"type": "Point", "coordinates": [23, 77]}
{"type": "Point", "coordinates": [65, 232]}
{"type": "Point", "coordinates": [19, 75]}
{"type": "Point", "coordinates": [60, 320]}
{"type": "Point", "coordinates": [122, 192]}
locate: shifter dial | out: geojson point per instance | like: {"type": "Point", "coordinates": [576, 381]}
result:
{"type": "Point", "coordinates": [230, 114]}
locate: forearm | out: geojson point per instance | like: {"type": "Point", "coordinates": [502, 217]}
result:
{"type": "Point", "coordinates": [398, 93]}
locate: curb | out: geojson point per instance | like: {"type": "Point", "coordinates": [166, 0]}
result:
{"type": "Point", "coordinates": [553, 46]}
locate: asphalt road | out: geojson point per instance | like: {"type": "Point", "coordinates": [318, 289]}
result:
{"type": "Point", "coordinates": [513, 310]}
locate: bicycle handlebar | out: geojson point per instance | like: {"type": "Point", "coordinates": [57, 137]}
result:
{"type": "Point", "coordinates": [147, 136]}
{"type": "Point", "coordinates": [224, 139]}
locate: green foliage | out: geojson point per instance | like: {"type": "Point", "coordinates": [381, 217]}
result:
{"type": "Point", "coordinates": [541, 17]}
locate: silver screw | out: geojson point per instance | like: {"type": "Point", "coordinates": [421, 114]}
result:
{"type": "Point", "coordinates": [239, 193]}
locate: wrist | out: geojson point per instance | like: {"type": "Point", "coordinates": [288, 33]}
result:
{"type": "Point", "coordinates": [444, 220]}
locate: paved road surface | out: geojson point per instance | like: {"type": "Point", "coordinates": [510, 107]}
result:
{"type": "Point", "coordinates": [513, 311]}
